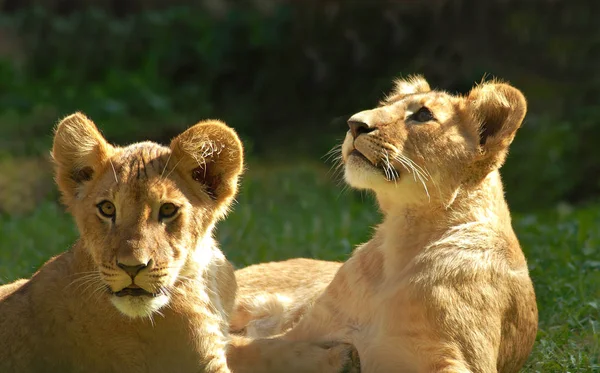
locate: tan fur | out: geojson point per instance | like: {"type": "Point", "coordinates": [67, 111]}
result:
{"type": "Point", "coordinates": [443, 285]}
{"type": "Point", "coordinates": [68, 317]}
{"type": "Point", "coordinates": [268, 307]}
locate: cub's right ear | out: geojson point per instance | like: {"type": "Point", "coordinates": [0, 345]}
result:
{"type": "Point", "coordinates": [79, 151]}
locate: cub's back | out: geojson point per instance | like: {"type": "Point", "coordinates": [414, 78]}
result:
{"type": "Point", "coordinates": [294, 276]}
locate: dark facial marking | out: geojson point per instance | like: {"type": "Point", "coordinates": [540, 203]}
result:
{"type": "Point", "coordinates": [132, 164]}
{"type": "Point", "coordinates": [144, 167]}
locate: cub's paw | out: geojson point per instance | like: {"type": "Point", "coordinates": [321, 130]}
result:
{"type": "Point", "coordinates": [343, 357]}
{"type": "Point", "coordinates": [277, 355]}
{"type": "Point", "coordinates": [353, 365]}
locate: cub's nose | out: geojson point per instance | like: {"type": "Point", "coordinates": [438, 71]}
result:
{"type": "Point", "coordinates": [358, 127]}
{"type": "Point", "coordinates": [132, 269]}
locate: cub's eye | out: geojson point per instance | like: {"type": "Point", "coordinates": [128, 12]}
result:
{"type": "Point", "coordinates": [106, 209]}
{"type": "Point", "coordinates": [422, 115]}
{"type": "Point", "coordinates": [167, 210]}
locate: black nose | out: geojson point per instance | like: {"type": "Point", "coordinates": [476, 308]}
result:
{"type": "Point", "coordinates": [132, 270]}
{"type": "Point", "coordinates": [357, 128]}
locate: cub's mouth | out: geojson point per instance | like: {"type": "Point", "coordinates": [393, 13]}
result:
{"type": "Point", "coordinates": [135, 291]}
{"type": "Point", "coordinates": [382, 166]}
{"type": "Point", "coordinates": [360, 156]}
{"type": "Point", "coordinates": [134, 301]}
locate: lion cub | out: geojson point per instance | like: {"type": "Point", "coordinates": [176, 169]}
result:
{"type": "Point", "coordinates": [145, 288]}
{"type": "Point", "coordinates": [443, 285]}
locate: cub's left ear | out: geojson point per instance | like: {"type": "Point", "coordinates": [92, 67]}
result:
{"type": "Point", "coordinates": [498, 109]}
{"type": "Point", "coordinates": [210, 156]}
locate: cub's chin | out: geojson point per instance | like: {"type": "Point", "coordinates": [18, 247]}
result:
{"type": "Point", "coordinates": [360, 173]}
{"type": "Point", "coordinates": [135, 306]}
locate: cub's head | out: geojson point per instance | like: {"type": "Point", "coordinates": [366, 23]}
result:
{"type": "Point", "coordinates": [145, 212]}
{"type": "Point", "coordinates": [420, 144]}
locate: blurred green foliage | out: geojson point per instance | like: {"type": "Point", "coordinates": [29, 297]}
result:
{"type": "Point", "coordinates": [287, 76]}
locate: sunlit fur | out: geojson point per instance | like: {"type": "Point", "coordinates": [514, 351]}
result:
{"type": "Point", "coordinates": [69, 318]}
{"type": "Point", "coordinates": [267, 307]}
{"type": "Point", "coordinates": [442, 285]}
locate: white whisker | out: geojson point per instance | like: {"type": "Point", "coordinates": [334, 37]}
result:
{"type": "Point", "coordinates": [114, 171]}
{"type": "Point", "coordinates": [173, 169]}
{"type": "Point", "coordinates": [83, 279]}
{"type": "Point", "coordinates": [97, 292]}
{"type": "Point", "coordinates": [151, 318]}
{"type": "Point", "coordinates": [336, 150]}
{"type": "Point", "coordinates": [417, 171]}
{"type": "Point", "coordinates": [166, 164]}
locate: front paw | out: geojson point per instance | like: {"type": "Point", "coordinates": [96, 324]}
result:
{"type": "Point", "coordinates": [343, 357]}
{"type": "Point", "coordinates": [276, 355]}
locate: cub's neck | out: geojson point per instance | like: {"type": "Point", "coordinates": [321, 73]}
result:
{"type": "Point", "coordinates": [481, 201]}
{"type": "Point", "coordinates": [408, 228]}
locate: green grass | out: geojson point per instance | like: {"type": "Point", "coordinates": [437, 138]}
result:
{"type": "Point", "coordinates": [283, 213]}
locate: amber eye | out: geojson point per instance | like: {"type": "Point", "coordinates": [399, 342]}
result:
{"type": "Point", "coordinates": [422, 115]}
{"type": "Point", "coordinates": [167, 210]}
{"type": "Point", "coordinates": [107, 209]}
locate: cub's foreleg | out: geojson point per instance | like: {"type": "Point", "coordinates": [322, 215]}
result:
{"type": "Point", "coordinates": [275, 355]}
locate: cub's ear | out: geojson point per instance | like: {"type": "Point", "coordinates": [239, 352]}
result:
{"type": "Point", "coordinates": [210, 156]}
{"type": "Point", "coordinates": [79, 151]}
{"type": "Point", "coordinates": [498, 110]}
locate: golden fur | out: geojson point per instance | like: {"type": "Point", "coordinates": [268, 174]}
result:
{"type": "Point", "coordinates": [266, 307]}
{"type": "Point", "coordinates": [145, 288]}
{"type": "Point", "coordinates": [442, 285]}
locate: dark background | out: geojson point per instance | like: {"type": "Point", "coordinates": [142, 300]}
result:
{"type": "Point", "coordinates": [287, 74]}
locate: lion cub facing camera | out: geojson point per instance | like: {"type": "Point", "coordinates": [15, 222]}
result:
{"type": "Point", "coordinates": [442, 285]}
{"type": "Point", "coordinates": [145, 288]}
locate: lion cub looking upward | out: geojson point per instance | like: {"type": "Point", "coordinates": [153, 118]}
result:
{"type": "Point", "coordinates": [443, 285]}
{"type": "Point", "coordinates": [145, 288]}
